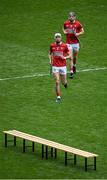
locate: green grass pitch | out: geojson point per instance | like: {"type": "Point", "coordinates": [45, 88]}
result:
{"type": "Point", "coordinates": [28, 104]}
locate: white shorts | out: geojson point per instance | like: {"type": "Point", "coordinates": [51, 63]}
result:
{"type": "Point", "coordinates": [60, 70]}
{"type": "Point", "coordinates": [74, 47]}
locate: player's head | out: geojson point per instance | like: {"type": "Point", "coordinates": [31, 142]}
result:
{"type": "Point", "coordinates": [72, 16]}
{"type": "Point", "coordinates": [57, 37]}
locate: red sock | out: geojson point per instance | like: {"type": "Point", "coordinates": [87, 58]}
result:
{"type": "Point", "coordinates": [57, 90]}
{"type": "Point", "coordinates": [58, 94]}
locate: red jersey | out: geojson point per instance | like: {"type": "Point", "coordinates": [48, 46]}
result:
{"type": "Point", "coordinates": [72, 29]}
{"type": "Point", "coordinates": [58, 51]}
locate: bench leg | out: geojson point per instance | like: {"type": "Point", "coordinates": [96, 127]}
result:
{"type": "Point", "coordinates": [5, 140]}
{"type": "Point", "coordinates": [42, 151]}
{"type": "Point", "coordinates": [51, 152]}
{"type": "Point", "coordinates": [46, 152]}
{"type": "Point", "coordinates": [23, 145]}
{"type": "Point", "coordinates": [85, 164]}
{"type": "Point", "coordinates": [33, 146]}
{"type": "Point", "coordinates": [55, 153]}
{"type": "Point", "coordinates": [75, 159]}
{"type": "Point", "coordinates": [14, 140]}
{"type": "Point", "coordinates": [94, 163]}
{"type": "Point", "coordinates": [65, 158]}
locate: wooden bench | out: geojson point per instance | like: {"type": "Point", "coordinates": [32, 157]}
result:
{"type": "Point", "coordinates": [54, 146]}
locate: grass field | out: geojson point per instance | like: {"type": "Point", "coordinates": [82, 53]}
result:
{"type": "Point", "coordinates": [28, 103]}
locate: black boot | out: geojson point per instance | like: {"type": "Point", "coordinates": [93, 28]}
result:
{"type": "Point", "coordinates": [65, 85]}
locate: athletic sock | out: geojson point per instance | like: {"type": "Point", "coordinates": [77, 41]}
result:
{"type": "Point", "coordinates": [58, 97]}
{"type": "Point", "coordinates": [71, 70]}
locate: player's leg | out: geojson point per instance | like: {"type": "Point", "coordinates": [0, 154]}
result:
{"type": "Point", "coordinates": [63, 76]}
{"type": "Point", "coordinates": [71, 60]}
{"type": "Point", "coordinates": [57, 86]}
{"type": "Point", "coordinates": [75, 48]}
{"type": "Point", "coordinates": [55, 71]}
{"type": "Point", "coordinates": [64, 80]}
{"type": "Point", "coordinates": [71, 68]}
{"type": "Point", "coordinates": [75, 55]}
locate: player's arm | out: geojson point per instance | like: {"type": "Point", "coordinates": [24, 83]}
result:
{"type": "Point", "coordinates": [81, 32]}
{"type": "Point", "coordinates": [50, 58]}
{"type": "Point", "coordinates": [50, 61]}
{"type": "Point", "coordinates": [69, 55]}
{"type": "Point", "coordinates": [64, 30]}
{"type": "Point", "coordinates": [50, 55]}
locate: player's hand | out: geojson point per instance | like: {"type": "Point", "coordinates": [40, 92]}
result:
{"type": "Point", "coordinates": [65, 32]}
{"type": "Point", "coordinates": [50, 63]}
{"type": "Point", "coordinates": [77, 34]}
{"type": "Point", "coordinates": [63, 57]}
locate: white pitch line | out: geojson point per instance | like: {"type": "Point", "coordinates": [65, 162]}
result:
{"type": "Point", "coordinates": [92, 69]}
{"type": "Point", "coordinates": [46, 74]}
